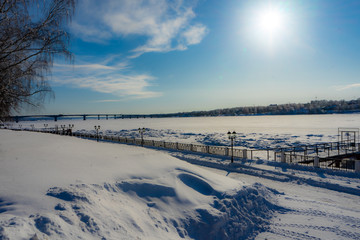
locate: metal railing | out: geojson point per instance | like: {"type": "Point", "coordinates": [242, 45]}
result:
{"type": "Point", "coordinates": [303, 155]}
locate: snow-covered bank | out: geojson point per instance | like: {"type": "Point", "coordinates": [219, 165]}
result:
{"type": "Point", "coordinates": [65, 188]}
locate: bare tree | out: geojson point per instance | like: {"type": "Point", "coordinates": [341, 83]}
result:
{"type": "Point", "coordinates": [32, 33]}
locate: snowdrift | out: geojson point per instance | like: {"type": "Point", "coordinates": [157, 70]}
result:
{"type": "Point", "coordinates": [57, 187]}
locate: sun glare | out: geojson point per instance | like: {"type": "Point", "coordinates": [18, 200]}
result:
{"type": "Point", "coordinates": [271, 21]}
{"type": "Point", "coordinates": [268, 25]}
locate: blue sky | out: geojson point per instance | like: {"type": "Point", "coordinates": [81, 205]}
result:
{"type": "Point", "coordinates": [133, 56]}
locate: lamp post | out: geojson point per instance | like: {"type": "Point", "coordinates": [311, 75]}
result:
{"type": "Point", "coordinates": [97, 128]}
{"type": "Point", "coordinates": [232, 136]}
{"type": "Point", "coordinates": [71, 126]}
{"type": "Point", "coordinates": [63, 129]}
{"type": "Point", "coordinates": [141, 131]}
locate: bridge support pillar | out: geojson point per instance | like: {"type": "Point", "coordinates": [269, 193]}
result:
{"type": "Point", "coordinates": [98, 117]}
{"type": "Point", "coordinates": [55, 118]}
{"type": "Point", "coordinates": [114, 116]}
{"type": "Point", "coordinates": [357, 166]}
{"type": "Point", "coordinates": [84, 117]}
{"type": "Point", "coordinates": [316, 161]}
{"type": "Point", "coordinates": [107, 117]}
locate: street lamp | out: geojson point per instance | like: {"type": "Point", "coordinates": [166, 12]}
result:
{"type": "Point", "coordinates": [63, 129]}
{"type": "Point", "coordinates": [232, 136]}
{"type": "Point", "coordinates": [141, 131]}
{"type": "Point", "coordinates": [71, 126]}
{"type": "Point", "coordinates": [97, 128]}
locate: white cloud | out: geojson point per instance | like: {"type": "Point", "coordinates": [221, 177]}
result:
{"type": "Point", "coordinates": [87, 66]}
{"type": "Point", "coordinates": [341, 88]}
{"type": "Point", "coordinates": [166, 25]}
{"type": "Point", "coordinates": [105, 79]}
{"type": "Point", "coordinates": [195, 34]}
{"type": "Point", "coordinates": [90, 33]}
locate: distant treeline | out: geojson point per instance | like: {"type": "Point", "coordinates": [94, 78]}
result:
{"type": "Point", "coordinates": [313, 107]}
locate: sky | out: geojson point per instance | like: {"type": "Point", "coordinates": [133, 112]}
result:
{"type": "Point", "coordinates": [159, 56]}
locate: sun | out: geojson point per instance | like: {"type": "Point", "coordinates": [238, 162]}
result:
{"type": "Point", "coordinates": [271, 21]}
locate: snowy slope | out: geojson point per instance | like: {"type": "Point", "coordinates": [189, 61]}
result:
{"type": "Point", "coordinates": [58, 187]}
{"type": "Point", "coordinates": [317, 203]}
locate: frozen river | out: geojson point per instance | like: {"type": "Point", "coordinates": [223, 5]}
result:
{"type": "Point", "coordinates": [253, 131]}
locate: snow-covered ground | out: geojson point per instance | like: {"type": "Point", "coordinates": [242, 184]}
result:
{"type": "Point", "coordinates": [60, 187]}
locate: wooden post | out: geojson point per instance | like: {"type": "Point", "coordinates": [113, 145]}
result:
{"type": "Point", "coordinates": [283, 158]}
{"type": "Point", "coordinates": [316, 161]}
{"type": "Point", "coordinates": [245, 154]}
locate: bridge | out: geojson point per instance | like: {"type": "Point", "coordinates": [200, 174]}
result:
{"type": "Point", "coordinates": [83, 116]}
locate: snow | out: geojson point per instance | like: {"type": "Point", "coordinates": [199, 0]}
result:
{"type": "Point", "coordinates": [66, 188]}
{"type": "Point", "coordinates": [60, 187]}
